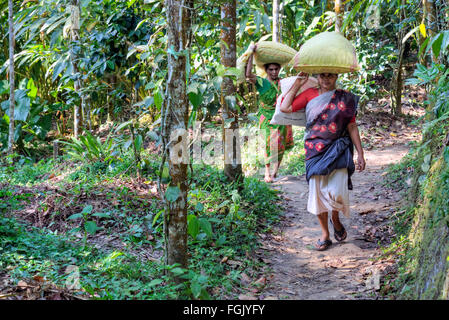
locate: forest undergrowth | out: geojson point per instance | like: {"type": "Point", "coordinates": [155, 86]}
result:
{"type": "Point", "coordinates": [102, 225]}
{"type": "Point", "coordinates": [93, 229]}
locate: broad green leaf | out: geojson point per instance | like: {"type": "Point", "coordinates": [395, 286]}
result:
{"type": "Point", "coordinates": [59, 67]}
{"type": "Point", "coordinates": [267, 22]}
{"type": "Point", "coordinates": [158, 100]}
{"type": "Point", "coordinates": [437, 44]}
{"type": "Point", "coordinates": [231, 102]}
{"type": "Point", "coordinates": [110, 64]}
{"type": "Point", "coordinates": [195, 99]}
{"type": "Point", "coordinates": [33, 89]}
{"type": "Point", "coordinates": [75, 216]}
{"type": "Point", "coordinates": [232, 72]}
{"type": "Point", "coordinates": [206, 226]}
{"type": "Point", "coordinates": [193, 227]}
{"type": "Point", "coordinates": [196, 289]}
{"type": "Point", "coordinates": [130, 3]}
{"type": "Point", "coordinates": [87, 209]}
{"type": "Point", "coordinates": [138, 142]}
{"type": "Point", "coordinates": [22, 110]}
{"type": "Point", "coordinates": [91, 227]}
{"type": "Point", "coordinates": [165, 173]}
{"type": "Point", "coordinates": [102, 214]}
{"type": "Point", "coordinates": [217, 82]}
{"type": "Point", "coordinates": [155, 282]}
{"type": "Point", "coordinates": [178, 271]}
{"type": "Point", "coordinates": [425, 167]}
{"type": "Point", "coordinates": [172, 193]}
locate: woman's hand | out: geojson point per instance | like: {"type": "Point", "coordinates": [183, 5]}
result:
{"type": "Point", "coordinates": [302, 78]}
{"type": "Point", "coordinates": [360, 162]}
{"type": "Point", "coordinates": [253, 47]}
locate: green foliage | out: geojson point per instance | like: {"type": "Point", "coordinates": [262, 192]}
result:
{"type": "Point", "coordinates": [102, 275]}
{"type": "Point", "coordinates": [91, 149]}
{"type": "Point", "coordinates": [32, 116]}
{"type": "Point", "coordinates": [20, 170]}
{"type": "Point", "coordinates": [223, 222]}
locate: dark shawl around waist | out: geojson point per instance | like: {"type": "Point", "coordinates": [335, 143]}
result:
{"type": "Point", "coordinates": [338, 155]}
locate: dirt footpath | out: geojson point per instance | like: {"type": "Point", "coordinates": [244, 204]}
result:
{"type": "Point", "coordinates": [347, 270]}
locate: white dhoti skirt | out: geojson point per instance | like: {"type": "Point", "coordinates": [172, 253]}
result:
{"type": "Point", "coordinates": [329, 193]}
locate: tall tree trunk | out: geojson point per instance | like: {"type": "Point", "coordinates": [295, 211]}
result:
{"type": "Point", "coordinates": [11, 77]}
{"type": "Point", "coordinates": [175, 116]}
{"type": "Point", "coordinates": [74, 36]}
{"type": "Point", "coordinates": [338, 15]}
{"type": "Point", "coordinates": [277, 29]}
{"type": "Point", "coordinates": [396, 96]}
{"type": "Point", "coordinates": [231, 137]}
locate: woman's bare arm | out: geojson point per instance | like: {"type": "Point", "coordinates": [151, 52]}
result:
{"type": "Point", "coordinates": [249, 68]}
{"type": "Point", "coordinates": [355, 137]}
{"type": "Point", "coordinates": [286, 105]}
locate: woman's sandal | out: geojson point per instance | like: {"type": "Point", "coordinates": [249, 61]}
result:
{"type": "Point", "coordinates": [322, 245]}
{"type": "Point", "coordinates": [339, 235]}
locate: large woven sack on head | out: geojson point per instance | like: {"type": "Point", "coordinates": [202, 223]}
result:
{"type": "Point", "coordinates": [297, 118]}
{"type": "Point", "coordinates": [327, 52]}
{"type": "Point", "coordinates": [272, 52]}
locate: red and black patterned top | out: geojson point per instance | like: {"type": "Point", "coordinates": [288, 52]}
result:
{"type": "Point", "coordinates": [330, 124]}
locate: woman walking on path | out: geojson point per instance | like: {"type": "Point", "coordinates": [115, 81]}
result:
{"type": "Point", "coordinates": [278, 138]}
{"type": "Point", "coordinates": [331, 134]}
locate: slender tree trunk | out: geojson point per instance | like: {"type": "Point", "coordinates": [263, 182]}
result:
{"type": "Point", "coordinates": [396, 97]}
{"type": "Point", "coordinates": [231, 137]}
{"type": "Point", "coordinates": [430, 17]}
{"type": "Point", "coordinates": [175, 116]}
{"type": "Point", "coordinates": [338, 15]}
{"type": "Point", "coordinates": [277, 9]}
{"type": "Point", "coordinates": [11, 77]}
{"type": "Point", "coordinates": [74, 35]}
{"type": "Point", "coordinates": [430, 20]}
